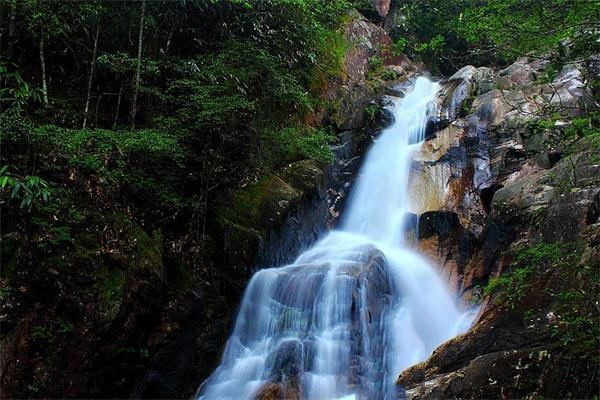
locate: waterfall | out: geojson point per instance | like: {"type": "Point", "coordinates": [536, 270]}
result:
{"type": "Point", "coordinates": [357, 308]}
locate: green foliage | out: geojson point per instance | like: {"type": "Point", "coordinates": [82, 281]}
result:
{"type": "Point", "coordinates": [577, 310]}
{"type": "Point", "coordinates": [519, 27]}
{"type": "Point", "coordinates": [371, 112]}
{"type": "Point", "coordinates": [551, 72]}
{"type": "Point", "coordinates": [47, 334]}
{"type": "Point", "coordinates": [449, 34]}
{"type": "Point", "coordinates": [226, 92]}
{"type": "Point", "coordinates": [542, 255]}
{"type": "Point", "coordinates": [434, 45]}
{"type": "Point", "coordinates": [574, 289]}
{"type": "Point", "coordinates": [511, 287]}
{"type": "Point", "coordinates": [586, 127]}
{"type": "Point", "coordinates": [15, 92]}
{"type": "Point", "coordinates": [429, 30]}
{"type": "Point", "coordinates": [42, 333]}
{"type": "Point", "coordinates": [145, 161]}
{"type": "Point", "coordinates": [53, 235]}
{"type": "Point", "coordinates": [30, 191]}
{"type": "Point", "coordinates": [79, 145]}
{"type": "Point", "coordinates": [399, 46]}
{"type": "Point", "coordinates": [122, 63]}
{"type": "Point", "coordinates": [332, 48]}
{"type": "Point", "coordinates": [295, 143]}
{"type": "Point", "coordinates": [375, 63]}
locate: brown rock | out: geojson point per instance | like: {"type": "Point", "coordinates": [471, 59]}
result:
{"type": "Point", "coordinates": [270, 391]}
{"type": "Point", "coordinates": [382, 7]}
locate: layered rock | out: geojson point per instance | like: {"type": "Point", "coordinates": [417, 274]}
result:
{"type": "Point", "coordinates": [492, 179]}
{"type": "Point", "coordinates": [484, 152]}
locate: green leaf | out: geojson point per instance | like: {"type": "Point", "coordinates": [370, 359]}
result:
{"type": "Point", "coordinates": [15, 191]}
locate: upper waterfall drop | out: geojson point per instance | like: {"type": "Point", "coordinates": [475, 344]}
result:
{"type": "Point", "coordinates": [378, 202]}
{"type": "Point", "coordinates": [357, 308]}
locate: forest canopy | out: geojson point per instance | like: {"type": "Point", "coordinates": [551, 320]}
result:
{"type": "Point", "coordinates": [222, 90]}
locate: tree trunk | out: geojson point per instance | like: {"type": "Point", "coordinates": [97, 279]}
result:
{"type": "Point", "coordinates": [118, 106]}
{"type": "Point", "coordinates": [136, 86]}
{"type": "Point", "coordinates": [11, 29]}
{"type": "Point", "coordinates": [91, 77]}
{"type": "Point", "coordinates": [43, 63]}
{"type": "Point", "coordinates": [168, 45]}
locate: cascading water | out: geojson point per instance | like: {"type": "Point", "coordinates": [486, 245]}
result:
{"type": "Point", "coordinates": [352, 312]}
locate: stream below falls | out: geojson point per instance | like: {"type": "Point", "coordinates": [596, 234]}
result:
{"type": "Point", "coordinates": [358, 307]}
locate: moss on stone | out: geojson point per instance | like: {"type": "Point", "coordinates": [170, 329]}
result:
{"type": "Point", "coordinates": [305, 175]}
{"type": "Point", "coordinates": [111, 287]}
{"type": "Point", "coordinates": [148, 253]}
{"type": "Point", "coordinates": [140, 255]}
{"type": "Point", "coordinates": [259, 205]}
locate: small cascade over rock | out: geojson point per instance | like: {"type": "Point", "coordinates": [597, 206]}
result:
{"type": "Point", "coordinates": [358, 307]}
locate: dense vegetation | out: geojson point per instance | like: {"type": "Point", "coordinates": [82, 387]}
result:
{"type": "Point", "coordinates": [167, 104]}
{"type": "Point", "coordinates": [574, 288]}
{"type": "Point", "coordinates": [450, 34]}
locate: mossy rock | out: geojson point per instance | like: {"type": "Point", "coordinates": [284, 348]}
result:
{"type": "Point", "coordinates": [579, 170]}
{"type": "Point", "coordinates": [111, 287]}
{"type": "Point", "coordinates": [258, 210]}
{"type": "Point", "coordinates": [348, 112]}
{"type": "Point", "coordinates": [261, 205]}
{"type": "Point", "coordinates": [305, 176]}
{"type": "Point", "coordinates": [180, 276]}
{"type": "Point", "coordinates": [140, 259]}
{"type": "Point", "coordinates": [240, 245]}
{"type": "Point", "coordinates": [148, 255]}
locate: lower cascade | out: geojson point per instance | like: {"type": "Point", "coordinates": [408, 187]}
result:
{"type": "Point", "coordinates": [357, 308]}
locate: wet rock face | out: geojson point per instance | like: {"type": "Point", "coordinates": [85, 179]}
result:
{"type": "Point", "coordinates": [488, 183]}
{"type": "Point", "coordinates": [465, 84]}
{"type": "Point", "coordinates": [288, 365]}
{"type": "Point", "coordinates": [481, 139]}
{"type": "Point", "coordinates": [449, 172]}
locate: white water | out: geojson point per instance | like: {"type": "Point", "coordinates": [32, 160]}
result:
{"type": "Point", "coordinates": [352, 312]}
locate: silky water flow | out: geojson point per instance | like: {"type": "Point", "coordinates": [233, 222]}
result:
{"type": "Point", "coordinates": [358, 307]}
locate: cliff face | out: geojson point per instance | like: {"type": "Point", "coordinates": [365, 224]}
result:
{"type": "Point", "coordinates": [508, 193]}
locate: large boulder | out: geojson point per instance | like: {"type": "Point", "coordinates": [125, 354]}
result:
{"type": "Point", "coordinates": [270, 221]}
{"type": "Point", "coordinates": [464, 85]}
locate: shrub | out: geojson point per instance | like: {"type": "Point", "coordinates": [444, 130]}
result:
{"type": "Point", "coordinates": [295, 143]}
